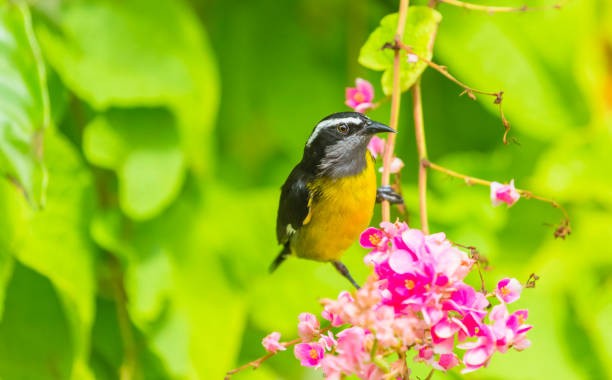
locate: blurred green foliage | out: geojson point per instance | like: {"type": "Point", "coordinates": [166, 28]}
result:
{"type": "Point", "coordinates": [142, 146]}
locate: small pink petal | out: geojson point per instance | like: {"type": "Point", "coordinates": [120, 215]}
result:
{"type": "Point", "coordinates": [308, 327]}
{"type": "Point", "coordinates": [349, 94]}
{"type": "Point", "coordinates": [271, 344]}
{"type": "Point", "coordinates": [328, 341]}
{"type": "Point", "coordinates": [401, 262]}
{"type": "Point", "coordinates": [412, 58]}
{"type": "Point", "coordinates": [477, 357]}
{"type": "Point", "coordinates": [425, 353]}
{"type": "Point", "coordinates": [445, 329]}
{"type": "Point", "coordinates": [376, 146]}
{"type": "Point", "coordinates": [365, 88]}
{"type": "Point", "coordinates": [504, 194]}
{"type": "Point", "coordinates": [448, 361]}
{"type": "Point", "coordinates": [396, 165]}
{"type": "Point", "coordinates": [309, 354]}
{"type": "Point", "coordinates": [362, 107]}
{"type": "Point", "coordinates": [508, 290]}
{"type": "Point", "coordinates": [371, 237]}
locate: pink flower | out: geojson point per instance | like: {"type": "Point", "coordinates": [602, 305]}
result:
{"type": "Point", "coordinates": [309, 354]}
{"type": "Point", "coordinates": [509, 330]}
{"type": "Point", "coordinates": [508, 290]}
{"type": "Point", "coordinates": [360, 97]}
{"type": "Point", "coordinates": [351, 346]}
{"type": "Point", "coordinates": [395, 167]}
{"type": "Point", "coordinates": [333, 309]}
{"type": "Point", "coordinates": [504, 194]}
{"type": "Point", "coordinates": [376, 146]}
{"type": "Point", "coordinates": [425, 353]}
{"type": "Point", "coordinates": [308, 327]}
{"type": "Point", "coordinates": [479, 352]}
{"type": "Point", "coordinates": [443, 335]}
{"type": "Point", "coordinates": [373, 238]}
{"type": "Point", "coordinates": [467, 300]}
{"type": "Point", "coordinates": [412, 58]}
{"type": "Point", "coordinates": [328, 341]}
{"type": "Point", "coordinates": [448, 361]}
{"type": "Point", "coordinates": [271, 344]}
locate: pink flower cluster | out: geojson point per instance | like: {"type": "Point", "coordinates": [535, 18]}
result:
{"type": "Point", "coordinates": [415, 300]}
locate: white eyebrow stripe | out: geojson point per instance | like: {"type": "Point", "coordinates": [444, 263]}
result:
{"type": "Point", "coordinates": [326, 123]}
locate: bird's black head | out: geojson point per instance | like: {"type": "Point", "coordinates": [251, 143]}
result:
{"type": "Point", "coordinates": [338, 143]}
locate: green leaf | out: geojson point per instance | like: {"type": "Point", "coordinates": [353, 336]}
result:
{"type": "Point", "coordinates": [130, 53]}
{"type": "Point", "coordinates": [419, 34]}
{"type": "Point", "coordinates": [35, 336]}
{"type": "Point", "coordinates": [13, 224]}
{"type": "Point", "coordinates": [539, 59]}
{"type": "Point", "coordinates": [57, 244]}
{"type": "Point", "coordinates": [108, 351]}
{"type": "Point", "coordinates": [142, 146]}
{"type": "Point", "coordinates": [24, 102]}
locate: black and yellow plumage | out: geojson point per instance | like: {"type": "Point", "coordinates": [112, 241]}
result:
{"type": "Point", "coordinates": [328, 198]}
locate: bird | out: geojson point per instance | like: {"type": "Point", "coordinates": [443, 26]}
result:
{"type": "Point", "coordinates": [328, 198]}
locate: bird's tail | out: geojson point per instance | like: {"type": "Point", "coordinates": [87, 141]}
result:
{"type": "Point", "coordinates": [280, 258]}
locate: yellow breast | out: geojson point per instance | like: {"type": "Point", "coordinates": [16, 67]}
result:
{"type": "Point", "coordinates": [341, 210]}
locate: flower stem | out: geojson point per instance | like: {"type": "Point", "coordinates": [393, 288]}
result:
{"type": "Point", "coordinates": [257, 362]}
{"type": "Point", "coordinates": [477, 181]}
{"type": "Point", "coordinates": [494, 9]}
{"type": "Point", "coordinates": [395, 107]}
{"type": "Point", "coordinates": [469, 91]}
{"type": "Point", "coordinates": [419, 131]}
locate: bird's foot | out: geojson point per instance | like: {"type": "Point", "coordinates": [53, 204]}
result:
{"type": "Point", "coordinates": [386, 193]}
{"type": "Point", "coordinates": [345, 272]}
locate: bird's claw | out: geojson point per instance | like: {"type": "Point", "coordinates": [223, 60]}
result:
{"type": "Point", "coordinates": [386, 193]}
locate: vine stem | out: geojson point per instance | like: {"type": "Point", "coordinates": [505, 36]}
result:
{"type": "Point", "coordinates": [419, 131]}
{"type": "Point", "coordinates": [257, 362]}
{"type": "Point", "coordinates": [477, 181]}
{"type": "Point", "coordinates": [395, 107]}
{"type": "Point", "coordinates": [493, 8]}
{"type": "Point", "coordinates": [469, 91]}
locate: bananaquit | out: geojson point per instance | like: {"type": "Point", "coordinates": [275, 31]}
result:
{"type": "Point", "coordinates": [328, 199]}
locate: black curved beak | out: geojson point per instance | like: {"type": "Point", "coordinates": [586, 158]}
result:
{"type": "Point", "coordinates": [376, 127]}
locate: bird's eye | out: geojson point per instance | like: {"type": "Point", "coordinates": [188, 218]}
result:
{"type": "Point", "coordinates": [343, 128]}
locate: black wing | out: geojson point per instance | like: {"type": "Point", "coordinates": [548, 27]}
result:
{"type": "Point", "coordinates": [294, 205]}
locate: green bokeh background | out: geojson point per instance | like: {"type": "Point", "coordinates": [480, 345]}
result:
{"type": "Point", "coordinates": [135, 245]}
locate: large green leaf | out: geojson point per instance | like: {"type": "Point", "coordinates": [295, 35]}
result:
{"type": "Point", "coordinates": [419, 34]}
{"type": "Point", "coordinates": [24, 102]}
{"type": "Point", "coordinates": [57, 244]}
{"type": "Point", "coordinates": [35, 336]}
{"type": "Point", "coordinates": [142, 146]}
{"type": "Point", "coordinates": [131, 53]}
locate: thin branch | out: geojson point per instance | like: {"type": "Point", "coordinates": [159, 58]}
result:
{"type": "Point", "coordinates": [467, 90]}
{"type": "Point", "coordinates": [562, 230]}
{"type": "Point", "coordinates": [395, 107]}
{"type": "Point", "coordinates": [496, 9]}
{"type": "Point", "coordinates": [479, 260]}
{"type": "Point", "coordinates": [419, 130]}
{"type": "Point", "coordinates": [257, 362]}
